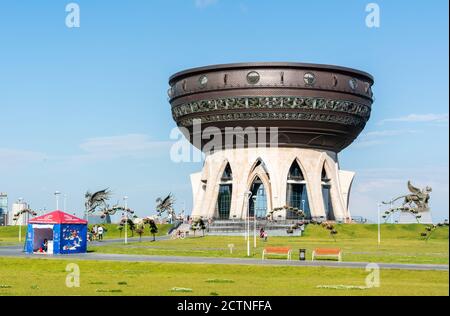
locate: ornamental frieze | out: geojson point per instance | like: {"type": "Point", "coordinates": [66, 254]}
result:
{"type": "Point", "coordinates": [307, 103]}
{"type": "Point", "coordinates": [252, 116]}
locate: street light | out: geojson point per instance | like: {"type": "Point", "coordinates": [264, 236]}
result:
{"type": "Point", "coordinates": [57, 194]}
{"type": "Point", "coordinates": [379, 225]}
{"type": "Point", "coordinates": [254, 221]}
{"type": "Point", "coordinates": [248, 195]}
{"type": "Point", "coordinates": [20, 224]}
{"type": "Point", "coordinates": [125, 198]}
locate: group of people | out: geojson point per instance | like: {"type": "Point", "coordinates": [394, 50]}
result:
{"type": "Point", "coordinates": [96, 233]}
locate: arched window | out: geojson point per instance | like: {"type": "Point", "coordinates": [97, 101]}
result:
{"type": "Point", "coordinates": [258, 201]}
{"type": "Point", "coordinates": [326, 193]}
{"type": "Point", "coordinates": [225, 193]}
{"type": "Point", "coordinates": [297, 192]}
{"type": "Point", "coordinates": [227, 174]}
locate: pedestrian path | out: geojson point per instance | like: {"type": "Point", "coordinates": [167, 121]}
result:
{"type": "Point", "coordinates": [16, 253]}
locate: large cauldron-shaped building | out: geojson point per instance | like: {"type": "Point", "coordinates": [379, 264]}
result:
{"type": "Point", "coordinates": [310, 112]}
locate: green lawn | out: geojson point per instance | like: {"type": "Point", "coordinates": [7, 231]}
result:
{"type": "Point", "coordinates": [47, 277]}
{"type": "Point", "coordinates": [400, 244]}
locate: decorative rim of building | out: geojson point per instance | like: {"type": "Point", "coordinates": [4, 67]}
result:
{"type": "Point", "coordinates": [250, 65]}
{"type": "Point", "coordinates": [311, 104]}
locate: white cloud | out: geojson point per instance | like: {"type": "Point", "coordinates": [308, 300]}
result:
{"type": "Point", "coordinates": [374, 138]}
{"type": "Point", "coordinates": [201, 4]}
{"type": "Point", "coordinates": [13, 157]}
{"type": "Point", "coordinates": [131, 145]}
{"type": "Point", "coordinates": [420, 118]}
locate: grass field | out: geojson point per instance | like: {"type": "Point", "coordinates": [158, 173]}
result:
{"type": "Point", "coordinates": [400, 244]}
{"type": "Point", "coordinates": [47, 277]}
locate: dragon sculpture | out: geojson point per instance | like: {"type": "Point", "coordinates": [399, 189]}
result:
{"type": "Point", "coordinates": [418, 199]}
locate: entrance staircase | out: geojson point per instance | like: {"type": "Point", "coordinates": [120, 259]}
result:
{"type": "Point", "coordinates": [239, 227]}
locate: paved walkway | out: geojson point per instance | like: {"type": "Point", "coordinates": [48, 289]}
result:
{"type": "Point", "coordinates": [15, 252]}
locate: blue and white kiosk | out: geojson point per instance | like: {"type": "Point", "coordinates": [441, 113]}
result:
{"type": "Point", "coordinates": [62, 233]}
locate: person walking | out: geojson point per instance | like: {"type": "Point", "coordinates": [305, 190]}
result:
{"type": "Point", "coordinates": [261, 233]}
{"type": "Point", "coordinates": [95, 231]}
{"type": "Point", "coordinates": [100, 231]}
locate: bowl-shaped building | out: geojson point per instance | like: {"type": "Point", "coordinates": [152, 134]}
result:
{"type": "Point", "coordinates": [271, 133]}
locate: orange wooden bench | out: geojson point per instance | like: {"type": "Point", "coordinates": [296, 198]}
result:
{"type": "Point", "coordinates": [327, 252]}
{"type": "Point", "coordinates": [277, 251]}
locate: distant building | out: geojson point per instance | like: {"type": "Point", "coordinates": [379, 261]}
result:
{"type": "Point", "coordinates": [3, 208]}
{"type": "Point", "coordinates": [98, 220]}
{"type": "Point", "coordinates": [17, 207]}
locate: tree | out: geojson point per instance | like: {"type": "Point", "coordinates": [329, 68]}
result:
{"type": "Point", "coordinates": [194, 227]}
{"type": "Point", "coordinates": [140, 231]}
{"type": "Point", "coordinates": [153, 229]}
{"type": "Point", "coordinates": [198, 224]}
{"type": "Point", "coordinates": [429, 229]}
{"type": "Point", "coordinates": [201, 225]}
{"type": "Point", "coordinates": [328, 226]}
{"type": "Point", "coordinates": [130, 223]}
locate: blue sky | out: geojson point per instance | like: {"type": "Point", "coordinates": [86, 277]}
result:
{"type": "Point", "coordinates": [86, 108]}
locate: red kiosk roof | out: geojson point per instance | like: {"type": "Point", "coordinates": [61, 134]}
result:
{"type": "Point", "coordinates": [57, 217]}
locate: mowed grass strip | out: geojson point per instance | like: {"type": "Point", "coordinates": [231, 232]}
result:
{"type": "Point", "coordinates": [48, 277]}
{"type": "Point", "coordinates": [400, 244]}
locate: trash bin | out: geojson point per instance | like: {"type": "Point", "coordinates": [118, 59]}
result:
{"type": "Point", "coordinates": [302, 255]}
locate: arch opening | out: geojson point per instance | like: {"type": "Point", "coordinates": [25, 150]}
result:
{"type": "Point", "coordinates": [297, 192]}
{"type": "Point", "coordinates": [326, 195]}
{"type": "Point", "coordinates": [258, 201]}
{"type": "Point", "coordinates": [225, 194]}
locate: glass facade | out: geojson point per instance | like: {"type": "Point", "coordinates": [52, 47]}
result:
{"type": "Point", "coordinates": [225, 194]}
{"type": "Point", "coordinates": [258, 206]}
{"type": "Point", "coordinates": [297, 193]}
{"type": "Point", "coordinates": [3, 208]}
{"type": "Point", "coordinates": [224, 201]}
{"type": "Point", "coordinates": [298, 198]}
{"type": "Point", "coordinates": [326, 193]}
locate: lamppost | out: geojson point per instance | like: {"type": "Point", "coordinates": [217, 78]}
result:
{"type": "Point", "coordinates": [125, 198]}
{"type": "Point", "coordinates": [379, 224]}
{"type": "Point", "coordinates": [248, 195]}
{"type": "Point", "coordinates": [20, 225]}
{"type": "Point", "coordinates": [57, 194]}
{"type": "Point", "coordinates": [254, 221]}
